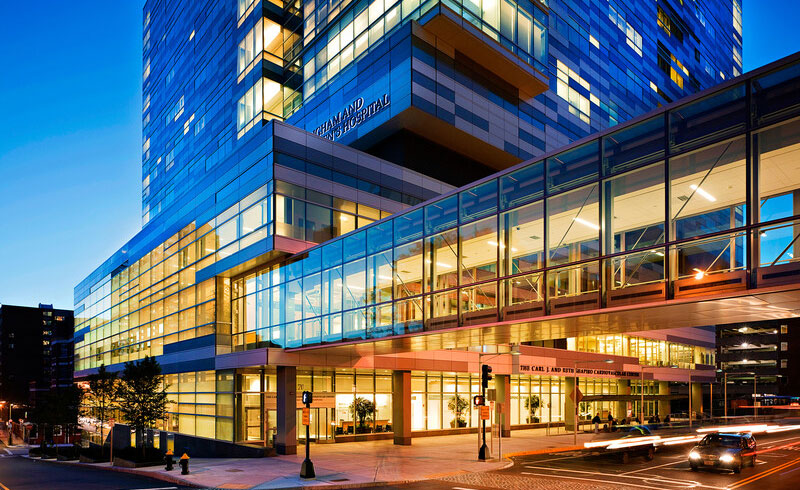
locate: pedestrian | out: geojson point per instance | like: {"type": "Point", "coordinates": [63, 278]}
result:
{"type": "Point", "coordinates": [596, 421]}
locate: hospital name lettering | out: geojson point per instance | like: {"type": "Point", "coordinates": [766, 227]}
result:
{"type": "Point", "coordinates": [349, 118]}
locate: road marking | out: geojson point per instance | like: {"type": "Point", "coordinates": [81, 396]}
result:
{"type": "Point", "coordinates": [3, 486]}
{"type": "Point", "coordinates": [790, 471]}
{"type": "Point", "coordinates": [591, 479]}
{"type": "Point", "coordinates": [645, 477]}
{"type": "Point", "coordinates": [653, 467]}
{"type": "Point", "coordinates": [462, 488]}
{"type": "Point", "coordinates": [764, 474]}
{"type": "Point", "coordinates": [157, 488]}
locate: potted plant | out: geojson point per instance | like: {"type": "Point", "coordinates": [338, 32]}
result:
{"type": "Point", "coordinates": [362, 410]}
{"type": "Point", "coordinates": [458, 404]}
{"type": "Point", "coordinates": [532, 404]}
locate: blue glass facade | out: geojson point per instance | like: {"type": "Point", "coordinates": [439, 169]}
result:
{"type": "Point", "coordinates": [271, 127]}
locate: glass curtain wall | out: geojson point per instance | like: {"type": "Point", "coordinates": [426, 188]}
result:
{"type": "Point", "coordinates": [656, 204]}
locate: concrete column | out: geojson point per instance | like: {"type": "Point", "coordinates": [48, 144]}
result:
{"type": "Point", "coordinates": [286, 438]}
{"type": "Point", "coordinates": [401, 407]}
{"type": "Point", "coordinates": [623, 388]}
{"type": "Point", "coordinates": [697, 398]}
{"type": "Point", "coordinates": [664, 406]}
{"type": "Point", "coordinates": [502, 386]}
{"type": "Point", "coordinates": [569, 406]}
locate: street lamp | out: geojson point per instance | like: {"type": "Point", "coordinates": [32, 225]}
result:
{"type": "Point", "coordinates": [641, 388]}
{"type": "Point", "coordinates": [575, 395]}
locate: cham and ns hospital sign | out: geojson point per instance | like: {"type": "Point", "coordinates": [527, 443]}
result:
{"type": "Point", "coordinates": [352, 116]}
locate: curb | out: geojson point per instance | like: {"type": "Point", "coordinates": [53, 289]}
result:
{"type": "Point", "coordinates": [131, 471]}
{"type": "Point", "coordinates": [544, 451]}
{"type": "Point", "coordinates": [188, 483]}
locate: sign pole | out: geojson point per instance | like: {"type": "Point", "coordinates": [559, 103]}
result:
{"type": "Point", "coordinates": [307, 468]}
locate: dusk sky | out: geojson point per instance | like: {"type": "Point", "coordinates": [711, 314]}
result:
{"type": "Point", "coordinates": [70, 134]}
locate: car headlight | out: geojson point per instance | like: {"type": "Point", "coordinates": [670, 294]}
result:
{"type": "Point", "coordinates": [694, 455]}
{"type": "Point", "coordinates": [726, 458]}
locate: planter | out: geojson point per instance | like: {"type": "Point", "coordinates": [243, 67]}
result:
{"type": "Point", "coordinates": [458, 424]}
{"type": "Point", "coordinates": [126, 463]}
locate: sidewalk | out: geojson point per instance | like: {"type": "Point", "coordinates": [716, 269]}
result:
{"type": "Point", "coordinates": [361, 463]}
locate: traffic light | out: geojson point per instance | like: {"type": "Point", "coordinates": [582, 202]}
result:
{"type": "Point", "coordinates": [479, 400]}
{"type": "Point", "coordinates": [486, 375]}
{"type": "Point", "coordinates": [307, 398]}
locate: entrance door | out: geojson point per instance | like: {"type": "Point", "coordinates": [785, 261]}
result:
{"type": "Point", "coordinates": [252, 423]}
{"type": "Point", "coordinates": [319, 425]}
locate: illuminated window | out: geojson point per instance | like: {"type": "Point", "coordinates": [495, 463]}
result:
{"type": "Point", "coordinates": [633, 38]}
{"type": "Point", "coordinates": [263, 101]}
{"type": "Point", "coordinates": [578, 104]}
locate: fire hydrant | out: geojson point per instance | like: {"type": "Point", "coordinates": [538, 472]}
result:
{"type": "Point", "coordinates": [184, 462]}
{"type": "Point", "coordinates": [168, 459]}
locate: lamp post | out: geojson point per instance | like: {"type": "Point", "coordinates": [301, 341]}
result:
{"type": "Point", "coordinates": [575, 395]}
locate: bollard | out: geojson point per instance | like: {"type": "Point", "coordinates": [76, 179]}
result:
{"type": "Point", "coordinates": [184, 462]}
{"type": "Point", "coordinates": [169, 461]}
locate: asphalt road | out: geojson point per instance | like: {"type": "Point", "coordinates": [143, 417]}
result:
{"type": "Point", "coordinates": [777, 468]}
{"type": "Point", "coordinates": [18, 473]}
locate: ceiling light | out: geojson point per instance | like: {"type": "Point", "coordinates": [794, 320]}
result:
{"type": "Point", "coordinates": [703, 193]}
{"type": "Point", "coordinates": [700, 274]}
{"type": "Point", "coordinates": [494, 244]}
{"type": "Point", "coordinates": [743, 329]}
{"type": "Point", "coordinates": [585, 223]}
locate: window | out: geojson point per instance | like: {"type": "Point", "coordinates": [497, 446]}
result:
{"type": "Point", "coordinates": [263, 101]}
{"type": "Point", "coordinates": [708, 189]}
{"type": "Point", "coordinates": [265, 39]}
{"type": "Point", "coordinates": [784, 346]}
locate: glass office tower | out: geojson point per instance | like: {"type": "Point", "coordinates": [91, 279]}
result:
{"type": "Point", "coordinates": [272, 127]}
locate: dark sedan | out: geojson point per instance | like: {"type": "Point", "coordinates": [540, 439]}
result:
{"type": "Point", "coordinates": [724, 451]}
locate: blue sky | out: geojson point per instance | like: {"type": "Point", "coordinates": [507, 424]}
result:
{"type": "Point", "coordinates": [70, 134]}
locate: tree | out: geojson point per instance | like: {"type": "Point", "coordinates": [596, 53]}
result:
{"type": "Point", "coordinates": [458, 404]}
{"type": "Point", "coordinates": [361, 408]}
{"type": "Point", "coordinates": [532, 403]}
{"type": "Point", "coordinates": [60, 406]}
{"type": "Point", "coordinates": [101, 395]}
{"type": "Point", "coordinates": [142, 396]}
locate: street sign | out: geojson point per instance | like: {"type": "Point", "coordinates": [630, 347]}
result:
{"type": "Point", "coordinates": [578, 394]}
{"type": "Point", "coordinates": [491, 394]}
{"type": "Point", "coordinates": [485, 413]}
{"type": "Point", "coordinates": [306, 416]}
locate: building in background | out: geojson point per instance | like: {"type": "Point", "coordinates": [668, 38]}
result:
{"type": "Point", "coordinates": [755, 360]}
{"type": "Point", "coordinates": [35, 352]}
{"type": "Point", "coordinates": [273, 132]}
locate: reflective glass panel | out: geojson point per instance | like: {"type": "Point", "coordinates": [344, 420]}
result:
{"type": "Point", "coordinates": [479, 251]}
{"type": "Point", "coordinates": [441, 260]}
{"type": "Point", "coordinates": [779, 171]}
{"type": "Point", "coordinates": [708, 189]}
{"type": "Point", "coordinates": [573, 228]}
{"type": "Point", "coordinates": [522, 239]}
{"type": "Point", "coordinates": [635, 209]}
